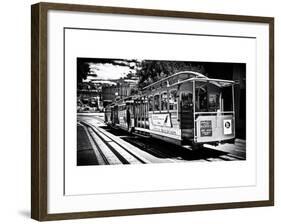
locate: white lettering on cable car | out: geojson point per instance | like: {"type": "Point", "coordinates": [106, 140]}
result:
{"type": "Point", "coordinates": [166, 131]}
{"type": "Point", "coordinates": [161, 120]}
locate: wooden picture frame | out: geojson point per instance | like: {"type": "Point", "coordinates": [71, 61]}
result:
{"type": "Point", "coordinates": [39, 109]}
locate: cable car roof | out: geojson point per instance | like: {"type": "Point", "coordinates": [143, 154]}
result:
{"type": "Point", "coordinates": [185, 76]}
{"type": "Point", "coordinates": [173, 80]}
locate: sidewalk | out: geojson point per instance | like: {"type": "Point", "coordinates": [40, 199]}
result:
{"type": "Point", "coordinates": [85, 153]}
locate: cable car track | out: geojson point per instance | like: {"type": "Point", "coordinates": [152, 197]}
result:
{"type": "Point", "coordinates": [119, 155]}
{"type": "Point", "coordinates": [105, 160]}
{"type": "Point", "coordinates": [153, 152]}
{"type": "Point", "coordinates": [149, 149]}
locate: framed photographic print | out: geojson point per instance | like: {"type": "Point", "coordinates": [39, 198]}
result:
{"type": "Point", "coordinates": [138, 111]}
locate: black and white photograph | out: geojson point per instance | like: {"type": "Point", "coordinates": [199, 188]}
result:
{"type": "Point", "coordinates": [138, 111]}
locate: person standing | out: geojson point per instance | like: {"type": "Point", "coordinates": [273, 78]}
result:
{"type": "Point", "coordinates": [128, 115]}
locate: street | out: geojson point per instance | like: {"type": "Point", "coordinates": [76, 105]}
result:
{"type": "Point", "coordinates": [98, 144]}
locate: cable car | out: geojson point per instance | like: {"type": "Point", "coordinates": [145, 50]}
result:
{"type": "Point", "coordinates": [184, 108]}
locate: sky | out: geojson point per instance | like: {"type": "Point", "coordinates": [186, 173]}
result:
{"type": "Point", "coordinates": [109, 71]}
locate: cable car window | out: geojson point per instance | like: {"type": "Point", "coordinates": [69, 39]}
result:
{"type": "Point", "coordinates": [201, 98]}
{"type": "Point", "coordinates": [164, 101]}
{"type": "Point", "coordinates": [156, 102]}
{"type": "Point", "coordinates": [186, 101]}
{"type": "Point", "coordinates": [214, 102]}
{"type": "Point", "coordinates": [227, 104]}
{"type": "Point", "coordinates": [173, 100]}
{"type": "Point", "coordinates": [150, 103]}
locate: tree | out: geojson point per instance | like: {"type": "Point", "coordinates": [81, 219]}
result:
{"type": "Point", "coordinates": [83, 70]}
{"type": "Point", "coordinates": [151, 70]}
